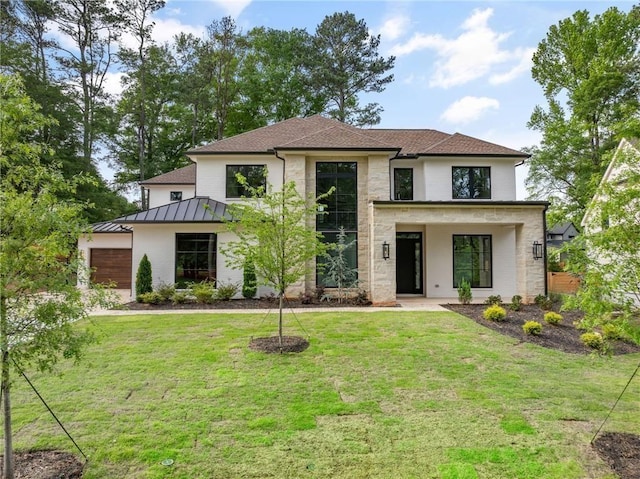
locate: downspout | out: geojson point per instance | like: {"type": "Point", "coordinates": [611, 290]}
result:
{"type": "Point", "coordinates": [544, 248]}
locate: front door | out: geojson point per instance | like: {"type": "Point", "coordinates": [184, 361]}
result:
{"type": "Point", "coordinates": [409, 263]}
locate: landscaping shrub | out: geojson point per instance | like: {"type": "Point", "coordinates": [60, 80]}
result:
{"type": "Point", "coordinates": [593, 340]}
{"type": "Point", "coordinates": [495, 313]}
{"type": "Point", "coordinates": [249, 281]}
{"type": "Point", "coordinates": [543, 302]}
{"type": "Point", "coordinates": [464, 292]}
{"type": "Point", "coordinates": [226, 291]}
{"type": "Point", "coordinates": [152, 297]}
{"type": "Point", "coordinates": [203, 292]}
{"type": "Point", "coordinates": [494, 299]}
{"type": "Point", "coordinates": [166, 291]}
{"type": "Point", "coordinates": [552, 318]}
{"type": "Point", "coordinates": [362, 297]}
{"type": "Point", "coordinates": [516, 303]}
{"type": "Point", "coordinates": [179, 297]}
{"type": "Point", "coordinates": [532, 327]}
{"type": "Point", "coordinates": [144, 277]}
{"type": "Point", "coordinates": [612, 331]}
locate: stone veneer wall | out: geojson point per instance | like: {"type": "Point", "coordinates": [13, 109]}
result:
{"type": "Point", "coordinates": [527, 219]}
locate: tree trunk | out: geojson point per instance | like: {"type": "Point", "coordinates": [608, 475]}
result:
{"type": "Point", "coordinates": [7, 472]}
{"type": "Point", "coordinates": [280, 320]}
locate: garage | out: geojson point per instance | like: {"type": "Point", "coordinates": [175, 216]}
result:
{"type": "Point", "coordinates": [111, 265]}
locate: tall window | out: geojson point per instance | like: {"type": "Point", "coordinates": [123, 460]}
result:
{"type": "Point", "coordinates": [255, 175]}
{"type": "Point", "coordinates": [472, 260]}
{"type": "Point", "coordinates": [403, 183]}
{"type": "Point", "coordinates": [340, 208]}
{"type": "Point", "coordinates": [471, 182]}
{"type": "Point", "coordinates": [195, 257]}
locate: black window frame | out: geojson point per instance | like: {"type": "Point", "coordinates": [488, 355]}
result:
{"type": "Point", "coordinates": [485, 239]}
{"type": "Point", "coordinates": [340, 205]}
{"type": "Point", "coordinates": [398, 187]}
{"type": "Point", "coordinates": [175, 196]}
{"type": "Point", "coordinates": [181, 251]}
{"type": "Point", "coordinates": [473, 177]}
{"type": "Point", "coordinates": [256, 176]}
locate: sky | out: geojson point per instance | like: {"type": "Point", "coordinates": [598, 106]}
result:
{"type": "Point", "coordinates": [460, 66]}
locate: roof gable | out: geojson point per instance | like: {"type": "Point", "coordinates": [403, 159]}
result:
{"type": "Point", "coordinates": [182, 176]}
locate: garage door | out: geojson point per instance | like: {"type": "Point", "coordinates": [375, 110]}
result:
{"type": "Point", "coordinates": [111, 264]}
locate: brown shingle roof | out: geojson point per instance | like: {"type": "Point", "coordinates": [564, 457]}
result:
{"type": "Point", "coordinates": [318, 132]}
{"type": "Point", "coordinates": [182, 176]}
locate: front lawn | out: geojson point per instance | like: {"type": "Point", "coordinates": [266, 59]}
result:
{"type": "Point", "coordinates": [376, 395]}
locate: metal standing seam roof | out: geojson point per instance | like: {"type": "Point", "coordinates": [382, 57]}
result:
{"type": "Point", "coordinates": [109, 227]}
{"type": "Point", "coordinates": [200, 209]}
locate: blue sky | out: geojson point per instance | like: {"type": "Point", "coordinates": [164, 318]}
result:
{"type": "Point", "coordinates": [460, 66]}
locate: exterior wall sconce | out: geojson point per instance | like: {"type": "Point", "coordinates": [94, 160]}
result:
{"type": "Point", "coordinates": [385, 251]}
{"type": "Point", "coordinates": [537, 250]}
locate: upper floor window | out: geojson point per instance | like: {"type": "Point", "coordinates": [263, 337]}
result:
{"type": "Point", "coordinates": [175, 196]}
{"type": "Point", "coordinates": [341, 207]}
{"type": "Point", "coordinates": [255, 175]}
{"type": "Point", "coordinates": [403, 183]}
{"type": "Point", "coordinates": [471, 182]}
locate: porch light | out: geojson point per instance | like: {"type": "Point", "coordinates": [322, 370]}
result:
{"type": "Point", "coordinates": [537, 250]}
{"type": "Point", "coordinates": [385, 251]}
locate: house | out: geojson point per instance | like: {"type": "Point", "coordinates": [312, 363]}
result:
{"type": "Point", "coordinates": [592, 221]}
{"type": "Point", "coordinates": [426, 209]}
{"type": "Point", "coordinates": [560, 234]}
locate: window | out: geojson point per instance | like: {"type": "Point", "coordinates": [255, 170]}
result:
{"type": "Point", "coordinates": [255, 175]}
{"type": "Point", "coordinates": [340, 208]}
{"type": "Point", "coordinates": [472, 260]}
{"type": "Point", "coordinates": [403, 183]}
{"type": "Point", "coordinates": [471, 182]}
{"type": "Point", "coordinates": [175, 196]}
{"type": "Point", "coordinates": [195, 257]}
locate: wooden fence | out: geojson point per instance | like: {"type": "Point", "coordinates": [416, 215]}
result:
{"type": "Point", "coordinates": [565, 283]}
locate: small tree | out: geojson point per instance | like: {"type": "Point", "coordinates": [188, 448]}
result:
{"type": "Point", "coordinates": [39, 301]}
{"type": "Point", "coordinates": [606, 256]}
{"type": "Point", "coordinates": [249, 283]}
{"type": "Point", "coordinates": [144, 278]}
{"type": "Point", "coordinates": [337, 270]}
{"type": "Point", "coordinates": [273, 228]}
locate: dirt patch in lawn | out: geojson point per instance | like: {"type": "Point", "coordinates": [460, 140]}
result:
{"type": "Point", "coordinates": [290, 344]}
{"type": "Point", "coordinates": [621, 451]}
{"type": "Point", "coordinates": [45, 465]}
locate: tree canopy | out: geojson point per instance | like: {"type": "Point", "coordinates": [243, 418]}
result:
{"type": "Point", "coordinates": [589, 70]}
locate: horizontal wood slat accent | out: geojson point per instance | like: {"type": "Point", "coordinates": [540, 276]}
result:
{"type": "Point", "coordinates": [111, 264]}
{"type": "Point", "coordinates": [563, 283]}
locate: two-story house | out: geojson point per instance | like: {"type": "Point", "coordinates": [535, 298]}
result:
{"type": "Point", "coordinates": [426, 209]}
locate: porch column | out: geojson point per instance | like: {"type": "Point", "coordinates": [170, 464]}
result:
{"type": "Point", "coordinates": [383, 272]}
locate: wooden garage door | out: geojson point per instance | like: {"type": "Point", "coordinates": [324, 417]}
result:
{"type": "Point", "coordinates": [111, 264]}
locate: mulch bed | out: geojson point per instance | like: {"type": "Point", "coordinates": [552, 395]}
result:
{"type": "Point", "coordinates": [621, 451]}
{"type": "Point", "coordinates": [563, 337]}
{"type": "Point", "coordinates": [45, 465]}
{"type": "Point", "coordinates": [290, 344]}
{"type": "Point", "coordinates": [258, 303]}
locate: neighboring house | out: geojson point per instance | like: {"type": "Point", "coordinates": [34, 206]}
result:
{"type": "Point", "coordinates": [426, 209]}
{"type": "Point", "coordinates": [592, 221]}
{"type": "Point", "coordinates": [560, 234]}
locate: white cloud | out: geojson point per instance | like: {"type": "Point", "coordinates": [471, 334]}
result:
{"type": "Point", "coordinates": [394, 27]}
{"type": "Point", "coordinates": [526, 62]}
{"type": "Point", "coordinates": [232, 7]}
{"type": "Point", "coordinates": [469, 109]}
{"type": "Point", "coordinates": [471, 55]}
{"type": "Point", "coordinates": [165, 29]}
{"type": "Point", "coordinates": [113, 83]}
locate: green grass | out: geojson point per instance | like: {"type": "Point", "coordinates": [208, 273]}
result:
{"type": "Point", "coordinates": [376, 395]}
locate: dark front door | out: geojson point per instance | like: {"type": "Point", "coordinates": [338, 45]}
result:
{"type": "Point", "coordinates": [409, 263]}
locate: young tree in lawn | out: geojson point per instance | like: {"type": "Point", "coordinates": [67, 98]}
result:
{"type": "Point", "coordinates": [347, 63]}
{"type": "Point", "coordinates": [273, 228]}
{"type": "Point", "coordinates": [39, 302]}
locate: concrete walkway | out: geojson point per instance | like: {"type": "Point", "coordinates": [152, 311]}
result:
{"type": "Point", "coordinates": [404, 304]}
